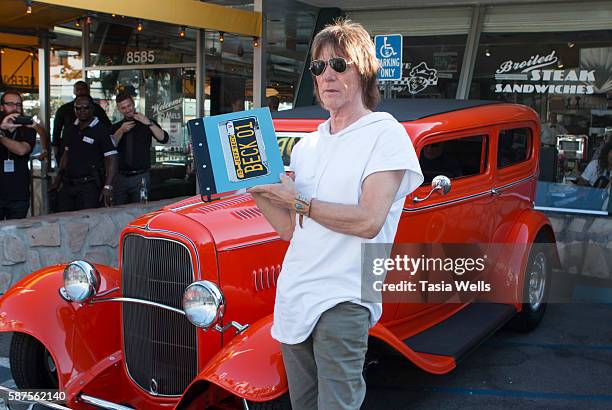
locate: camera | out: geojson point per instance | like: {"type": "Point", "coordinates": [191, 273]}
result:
{"type": "Point", "coordinates": [23, 120]}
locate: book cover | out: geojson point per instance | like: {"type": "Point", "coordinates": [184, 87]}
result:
{"type": "Point", "coordinates": [234, 151]}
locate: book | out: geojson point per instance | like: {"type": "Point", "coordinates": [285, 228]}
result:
{"type": "Point", "coordinates": [235, 151]}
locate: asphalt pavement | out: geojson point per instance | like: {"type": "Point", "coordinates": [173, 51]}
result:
{"type": "Point", "coordinates": [566, 363]}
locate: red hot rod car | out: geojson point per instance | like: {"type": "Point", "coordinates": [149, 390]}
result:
{"type": "Point", "coordinates": [184, 321]}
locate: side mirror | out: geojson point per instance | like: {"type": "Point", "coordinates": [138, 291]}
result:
{"type": "Point", "coordinates": [440, 184]}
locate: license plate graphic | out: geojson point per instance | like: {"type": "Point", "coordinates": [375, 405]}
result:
{"type": "Point", "coordinates": [243, 149]}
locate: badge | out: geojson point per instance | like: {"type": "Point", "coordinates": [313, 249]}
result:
{"type": "Point", "coordinates": [9, 166]}
{"type": "Point", "coordinates": [88, 140]}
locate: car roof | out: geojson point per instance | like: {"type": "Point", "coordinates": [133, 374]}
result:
{"type": "Point", "coordinates": [402, 109]}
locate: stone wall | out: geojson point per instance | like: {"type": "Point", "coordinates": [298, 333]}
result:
{"type": "Point", "coordinates": [30, 244]}
{"type": "Point", "coordinates": [584, 242]}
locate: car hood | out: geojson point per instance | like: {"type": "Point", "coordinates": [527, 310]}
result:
{"type": "Point", "coordinates": [233, 221]}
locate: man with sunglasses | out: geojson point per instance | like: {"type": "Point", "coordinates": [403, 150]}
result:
{"type": "Point", "coordinates": [351, 178]}
{"type": "Point", "coordinates": [65, 117]}
{"type": "Point", "coordinates": [16, 144]}
{"type": "Point", "coordinates": [89, 159]}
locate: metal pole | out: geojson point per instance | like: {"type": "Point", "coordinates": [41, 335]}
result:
{"type": "Point", "coordinates": [44, 98]}
{"type": "Point", "coordinates": [260, 80]}
{"type": "Point", "coordinates": [85, 49]}
{"type": "Point", "coordinates": [200, 72]}
{"type": "Point", "coordinates": [387, 90]}
{"type": "Point", "coordinates": [200, 81]}
{"type": "Point", "coordinates": [471, 49]}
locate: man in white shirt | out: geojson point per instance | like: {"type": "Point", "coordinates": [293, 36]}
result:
{"type": "Point", "coordinates": [551, 129]}
{"type": "Point", "coordinates": [351, 178]}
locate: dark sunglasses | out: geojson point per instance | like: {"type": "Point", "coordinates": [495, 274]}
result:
{"type": "Point", "coordinates": [82, 107]}
{"type": "Point", "coordinates": [338, 64]}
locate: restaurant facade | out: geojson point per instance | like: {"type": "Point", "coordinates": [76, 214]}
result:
{"type": "Point", "coordinates": [555, 57]}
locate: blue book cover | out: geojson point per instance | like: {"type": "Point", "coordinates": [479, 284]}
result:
{"type": "Point", "coordinates": [235, 151]}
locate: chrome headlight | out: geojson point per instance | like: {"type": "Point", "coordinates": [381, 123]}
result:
{"type": "Point", "coordinates": [203, 303]}
{"type": "Point", "coordinates": [81, 281]}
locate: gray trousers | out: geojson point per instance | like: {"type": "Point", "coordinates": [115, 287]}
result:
{"type": "Point", "coordinates": [325, 371]}
{"type": "Point", "coordinates": [127, 188]}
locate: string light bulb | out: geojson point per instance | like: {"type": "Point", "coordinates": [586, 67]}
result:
{"type": "Point", "coordinates": [78, 23]}
{"type": "Point", "coordinates": [487, 53]}
{"type": "Point", "coordinates": [255, 42]}
{"type": "Point", "coordinates": [139, 26]}
{"type": "Point", "coordinates": [182, 32]}
{"type": "Point", "coordinates": [1, 51]}
{"type": "Point", "coordinates": [221, 37]}
{"type": "Point", "coordinates": [29, 7]}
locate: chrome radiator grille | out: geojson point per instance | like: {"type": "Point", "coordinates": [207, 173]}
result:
{"type": "Point", "coordinates": [160, 346]}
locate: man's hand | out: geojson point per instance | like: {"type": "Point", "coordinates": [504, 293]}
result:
{"type": "Point", "coordinates": [36, 126]}
{"type": "Point", "coordinates": [127, 126]}
{"type": "Point", "coordinates": [107, 196]}
{"type": "Point", "coordinates": [141, 118]}
{"type": "Point", "coordinates": [281, 195]}
{"type": "Point", "coordinates": [8, 124]}
{"type": "Point", "coordinates": [56, 184]}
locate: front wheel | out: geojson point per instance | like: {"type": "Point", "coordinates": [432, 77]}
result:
{"type": "Point", "coordinates": [32, 366]}
{"type": "Point", "coordinates": [536, 288]}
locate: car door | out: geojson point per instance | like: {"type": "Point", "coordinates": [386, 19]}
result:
{"type": "Point", "coordinates": [464, 215]}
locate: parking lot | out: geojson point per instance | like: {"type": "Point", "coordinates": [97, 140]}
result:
{"type": "Point", "coordinates": [565, 364]}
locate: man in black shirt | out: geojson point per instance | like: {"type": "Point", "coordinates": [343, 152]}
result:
{"type": "Point", "coordinates": [65, 117]}
{"type": "Point", "coordinates": [133, 136]}
{"type": "Point", "coordinates": [88, 151]}
{"type": "Point", "coordinates": [16, 143]}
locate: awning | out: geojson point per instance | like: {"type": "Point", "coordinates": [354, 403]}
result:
{"type": "Point", "coordinates": [191, 13]}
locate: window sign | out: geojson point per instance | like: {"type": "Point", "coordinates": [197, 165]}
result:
{"type": "Point", "coordinates": [542, 75]}
{"type": "Point", "coordinates": [169, 115]}
{"type": "Point", "coordinates": [135, 56]}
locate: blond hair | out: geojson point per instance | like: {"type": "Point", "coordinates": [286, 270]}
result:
{"type": "Point", "coordinates": [351, 40]}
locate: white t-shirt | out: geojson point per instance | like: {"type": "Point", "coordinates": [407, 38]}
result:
{"type": "Point", "coordinates": [590, 172]}
{"type": "Point", "coordinates": [323, 268]}
{"type": "Point", "coordinates": [549, 132]}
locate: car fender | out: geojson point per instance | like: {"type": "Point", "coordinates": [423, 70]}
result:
{"type": "Point", "coordinates": [77, 335]}
{"type": "Point", "coordinates": [529, 227]}
{"type": "Point", "coordinates": [251, 365]}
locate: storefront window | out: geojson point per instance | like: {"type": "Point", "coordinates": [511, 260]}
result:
{"type": "Point", "coordinates": [289, 28]}
{"type": "Point", "coordinates": [431, 67]}
{"type": "Point", "coordinates": [125, 41]}
{"type": "Point", "coordinates": [567, 79]}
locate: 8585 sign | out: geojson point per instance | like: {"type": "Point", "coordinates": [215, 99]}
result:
{"type": "Point", "coordinates": [140, 57]}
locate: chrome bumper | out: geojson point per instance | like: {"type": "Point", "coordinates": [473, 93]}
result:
{"type": "Point", "coordinates": [102, 403]}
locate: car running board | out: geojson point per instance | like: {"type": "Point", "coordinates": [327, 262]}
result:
{"type": "Point", "coordinates": [463, 332]}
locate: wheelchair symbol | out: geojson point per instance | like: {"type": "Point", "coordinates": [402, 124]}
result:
{"type": "Point", "coordinates": [386, 50]}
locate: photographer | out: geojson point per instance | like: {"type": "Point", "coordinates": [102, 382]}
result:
{"type": "Point", "coordinates": [133, 137]}
{"type": "Point", "coordinates": [17, 139]}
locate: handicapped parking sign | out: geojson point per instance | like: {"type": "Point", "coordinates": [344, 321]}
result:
{"type": "Point", "coordinates": [389, 53]}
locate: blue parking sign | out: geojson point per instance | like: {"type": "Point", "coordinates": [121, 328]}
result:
{"type": "Point", "coordinates": [389, 53]}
